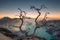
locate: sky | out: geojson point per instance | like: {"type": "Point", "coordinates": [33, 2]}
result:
{"type": "Point", "coordinates": [9, 8]}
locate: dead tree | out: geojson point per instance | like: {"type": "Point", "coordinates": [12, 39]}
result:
{"type": "Point", "coordinates": [38, 10]}
{"type": "Point", "coordinates": [21, 16]}
{"type": "Point", "coordinates": [44, 21]}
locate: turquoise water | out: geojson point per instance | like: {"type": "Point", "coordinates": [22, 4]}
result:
{"type": "Point", "coordinates": [40, 32]}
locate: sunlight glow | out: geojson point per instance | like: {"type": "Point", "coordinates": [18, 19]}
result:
{"type": "Point", "coordinates": [51, 16]}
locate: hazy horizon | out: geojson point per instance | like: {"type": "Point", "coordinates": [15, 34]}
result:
{"type": "Point", "coordinates": [9, 8]}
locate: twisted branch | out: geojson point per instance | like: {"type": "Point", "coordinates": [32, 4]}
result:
{"type": "Point", "coordinates": [38, 10]}
{"type": "Point", "coordinates": [21, 18]}
{"type": "Point", "coordinates": [37, 25]}
{"type": "Point", "coordinates": [44, 19]}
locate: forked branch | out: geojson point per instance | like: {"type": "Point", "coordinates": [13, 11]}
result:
{"type": "Point", "coordinates": [44, 19]}
{"type": "Point", "coordinates": [21, 18]}
{"type": "Point", "coordinates": [39, 13]}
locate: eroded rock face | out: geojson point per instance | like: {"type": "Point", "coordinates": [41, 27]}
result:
{"type": "Point", "coordinates": [3, 37]}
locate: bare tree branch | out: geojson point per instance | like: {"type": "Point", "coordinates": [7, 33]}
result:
{"type": "Point", "coordinates": [44, 19]}
{"type": "Point", "coordinates": [21, 18]}
{"type": "Point", "coordinates": [38, 10]}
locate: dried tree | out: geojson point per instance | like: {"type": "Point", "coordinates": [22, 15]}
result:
{"type": "Point", "coordinates": [44, 21]}
{"type": "Point", "coordinates": [21, 18]}
{"type": "Point", "coordinates": [38, 10]}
